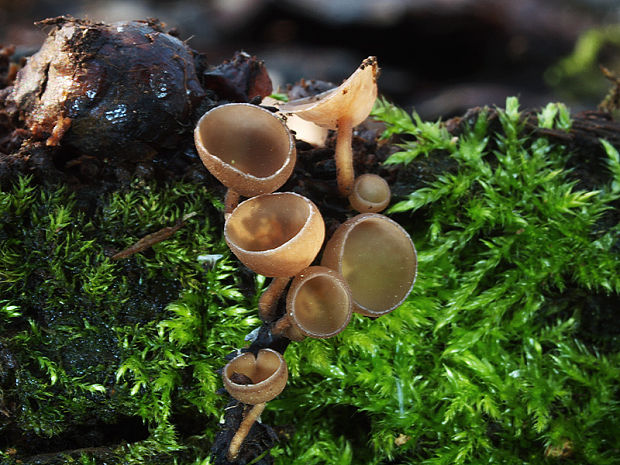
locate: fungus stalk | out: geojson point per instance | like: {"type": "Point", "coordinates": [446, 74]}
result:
{"type": "Point", "coordinates": [281, 326]}
{"type": "Point", "coordinates": [231, 200]}
{"type": "Point", "coordinates": [268, 301]}
{"type": "Point", "coordinates": [243, 430]}
{"type": "Point", "coordinates": [286, 327]}
{"type": "Point", "coordinates": [343, 157]}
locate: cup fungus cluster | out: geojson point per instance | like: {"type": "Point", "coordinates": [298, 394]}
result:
{"type": "Point", "coordinates": [368, 266]}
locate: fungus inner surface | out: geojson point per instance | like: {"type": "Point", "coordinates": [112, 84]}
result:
{"type": "Point", "coordinates": [267, 222]}
{"type": "Point", "coordinates": [379, 264]}
{"type": "Point", "coordinates": [267, 363]}
{"type": "Point", "coordinates": [320, 305]}
{"type": "Point", "coordinates": [246, 138]}
{"type": "Point", "coordinates": [372, 189]}
{"type": "Point", "coordinates": [257, 369]}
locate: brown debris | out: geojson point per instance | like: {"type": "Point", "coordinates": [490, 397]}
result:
{"type": "Point", "coordinates": [8, 69]}
{"type": "Point", "coordinates": [611, 102]}
{"type": "Point", "coordinates": [401, 440]}
{"type": "Point", "coordinates": [62, 125]}
{"type": "Point", "coordinates": [563, 451]}
{"type": "Point", "coordinates": [240, 79]}
{"type": "Point", "coordinates": [108, 89]}
{"type": "Point", "coordinates": [150, 239]}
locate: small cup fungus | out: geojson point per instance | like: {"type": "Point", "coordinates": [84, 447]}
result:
{"type": "Point", "coordinates": [246, 148]}
{"type": "Point", "coordinates": [371, 194]}
{"type": "Point", "coordinates": [267, 371]}
{"type": "Point", "coordinates": [266, 376]}
{"type": "Point", "coordinates": [318, 304]}
{"type": "Point", "coordinates": [377, 259]}
{"type": "Point", "coordinates": [276, 235]}
{"type": "Point", "coordinates": [342, 108]}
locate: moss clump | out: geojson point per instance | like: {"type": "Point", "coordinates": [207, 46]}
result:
{"type": "Point", "coordinates": [487, 361]}
{"type": "Point", "coordinates": [99, 352]}
{"type": "Point", "coordinates": [507, 351]}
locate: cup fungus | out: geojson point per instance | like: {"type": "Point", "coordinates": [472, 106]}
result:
{"type": "Point", "coordinates": [267, 371]}
{"type": "Point", "coordinates": [276, 235]}
{"type": "Point", "coordinates": [371, 194]}
{"type": "Point", "coordinates": [318, 304]}
{"type": "Point", "coordinates": [342, 108]}
{"type": "Point", "coordinates": [247, 148]}
{"type": "Point", "coordinates": [377, 259]}
{"type": "Point", "coordinates": [254, 381]}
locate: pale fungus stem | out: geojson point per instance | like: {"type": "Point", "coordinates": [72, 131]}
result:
{"type": "Point", "coordinates": [243, 430]}
{"type": "Point", "coordinates": [269, 299]}
{"type": "Point", "coordinates": [286, 327]}
{"type": "Point", "coordinates": [344, 157]}
{"type": "Point", "coordinates": [231, 200]}
{"type": "Point", "coordinates": [281, 325]}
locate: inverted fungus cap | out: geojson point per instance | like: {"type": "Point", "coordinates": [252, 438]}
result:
{"type": "Point", "coordinates": [371, 194]}
{"type": "Point", "coordinates": [353, 99]}
{"type": "Point", "coordinates": [342, 108]}
{"type": "Point", "coordinates": [246, 148]}
{"type": "Point", "coordinates": [267, 371]}
{"type": "Point", "coordinates": [319, 302]}
{"type": "Point", "coordinates": [275, 235]}
{"type": "Point", "coordinates": [377, 259]}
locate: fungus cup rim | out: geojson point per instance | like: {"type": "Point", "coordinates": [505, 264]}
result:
{"type": "Point", "coordinates": [341, 235]}
{"type": "Point", "coordinates": [356, 199]}
{"type": "Point", "coordinates": [289, 164]}
{"type": "Point", "coordinates": [307, 202]}
{"type": "Point", "coordinates": [317, 272]}
{"type": "Point", "coordinates": [245, 391]}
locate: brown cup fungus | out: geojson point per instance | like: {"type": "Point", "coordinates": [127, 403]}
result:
{"type": "Point", "coordinates": [246, 148]}
{"type": "Point", "coordinates": [341, 109]}
{"type": "Point", "coordinates": [254, 381]}
{"type": "Point", "coordinates": [318, 304]}
{"type": "Point", "coordinates": [377, 259]}
{"type": "Point", "coordinates": [371, 194]}
{"type": "Point", "coordinates": [275, 235]}
{"type": "Point", "coordinates": [267, 372]}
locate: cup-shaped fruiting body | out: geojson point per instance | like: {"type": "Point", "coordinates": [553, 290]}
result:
{"type": "Point", "coordinates": [342, 108]}
{"type": "Point", "coordinates": [246, 147]}
{"type": "Point", "coordinates": [267, 372]}
{"type": "Point", "coordinates": [371, 194]}
{"type": "Point", "coordinates": [319, 302]}
{"type": "Point", "coordinates": [275, 235]}
{"type": "Point", "coordinates": [377, 259]}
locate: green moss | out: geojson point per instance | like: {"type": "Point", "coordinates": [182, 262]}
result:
{"type": "Point", "coordinates": [507, 350]}
{"type": "Point", "coordinates": [94, 340]}
{"type": "Point", "coordinates": [487, 361]}
{"type": "Point", "coordinates": [578, 76]}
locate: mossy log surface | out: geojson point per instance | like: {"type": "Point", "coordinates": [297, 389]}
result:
{"type": "Point", "coordinates": [507, 350]}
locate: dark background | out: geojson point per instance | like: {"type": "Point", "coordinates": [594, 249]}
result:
{"type": "Point", "coordinates": [441, 56]}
